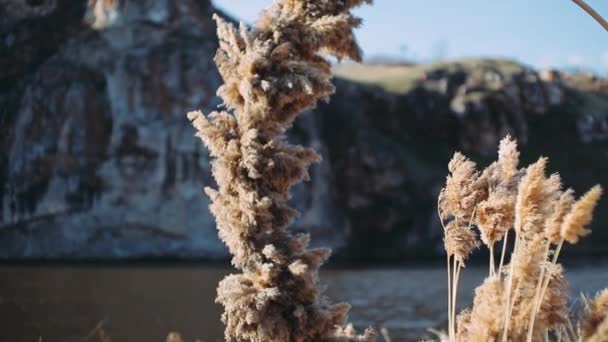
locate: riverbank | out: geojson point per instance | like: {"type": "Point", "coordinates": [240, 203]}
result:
{"type": "Point", "coordinates": [145, 303]}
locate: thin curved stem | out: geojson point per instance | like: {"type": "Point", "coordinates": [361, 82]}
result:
{"type": "Point", "coordinates": [592, 13]}
{"type": "Point", "coordinates": [538, 299]}
{"type": "Point", "coordinates": [456, 270]}
{"type": "Point", "coordinates": [553, 263]}
{"type": "Point", "coordinates": [504, 250]}
{"type": "Point", "coordinates": [508, 302]}
{"type": "Point", "coordinates": [450, 333]}
{"type": "Point", "coordinates": [492, 262]}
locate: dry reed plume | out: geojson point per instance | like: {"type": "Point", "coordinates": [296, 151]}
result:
{"type": "Point", "coordinates": [525, 300]}
{"type": "Point", "coordinates": [271, 73]}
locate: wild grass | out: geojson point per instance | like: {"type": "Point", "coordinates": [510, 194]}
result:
{"type": "Point", "coordinates": [397, 79]}
{"type": "Point", "coordinates": [401, 79]}
{"type": "Point", "coordinates": [272, 73]}
{"type": "Point", "coordinates": [525, 299]}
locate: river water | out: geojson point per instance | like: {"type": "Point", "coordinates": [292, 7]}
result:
{"type": "Point", "coordinates": [144, 304]}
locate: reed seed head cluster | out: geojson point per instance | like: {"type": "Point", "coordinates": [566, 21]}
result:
{"type": "Point", "coordinates": [526, 299]}
{"type": "Point", "coordinates": [594, 325]}
{"type": "Point", "coordinates": [271, 73]}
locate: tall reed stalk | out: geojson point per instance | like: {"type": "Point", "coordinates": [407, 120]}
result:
{"type": "Point", "coordinates": [526, 299]}
{"type": "Point", "coordinates": [271, 73]}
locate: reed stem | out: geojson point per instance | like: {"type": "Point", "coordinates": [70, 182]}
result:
{"type": "Point", "coordinates": [504, 251]}
{"type": "Point", "coordinates": [592, 13]}
{"type": "Point", "coordinates": [457, 267]}
{"type": "Point", "coordinates": [492, 262]}
{"type": "Point", "coordinates": [538, 299]}
{"type": "Point", "coordinates": [507, 315]}
{"type": "Point", "coordinates": [450, 334]}
{"type": "Point", "coordinates": [553, 263]}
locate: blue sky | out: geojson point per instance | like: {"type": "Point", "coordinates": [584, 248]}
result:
{"type": "Point", "coordinates": [542, 33]}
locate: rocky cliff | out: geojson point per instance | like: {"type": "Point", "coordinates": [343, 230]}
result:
{"type": "Point", "coordinates": [391, 131]}
{"type": "Point", "coordinates": [97, 158]}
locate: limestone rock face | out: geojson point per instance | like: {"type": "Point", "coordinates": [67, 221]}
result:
{"type": "Point", "coordinates": [98, 160]}
{"type": "Point", "coordinates": [391, 136]}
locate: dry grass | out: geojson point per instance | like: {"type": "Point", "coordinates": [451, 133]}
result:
{"type": "Point", "coordinates": [272, 73]}
{"type": "Point", "coordinates": [525, 300]}
{"type": "Point", "coordinates": [400, 79]}
{"type": "Point", "coordinates": [275, 71]}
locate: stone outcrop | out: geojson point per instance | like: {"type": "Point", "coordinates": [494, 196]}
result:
{"type": "Point", "coordinates": [100, 159]}
{"type": "Point", "coordinates": [390, 144]}
{"type": "Point", "coordinates": [97, 158]}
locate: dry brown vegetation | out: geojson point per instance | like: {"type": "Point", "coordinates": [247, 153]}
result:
{"type": "Point", "coordinates": [271, 73]}
{"type": "Point", "coordinates": [526, 299]}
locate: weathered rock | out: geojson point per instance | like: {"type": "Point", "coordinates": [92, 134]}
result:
{"type": "Point", "coordinates": [99, 161]}
{"type": "Point", "coordinates": [390, 143]}
{"type": "Point", "coordinates": [33, 30]}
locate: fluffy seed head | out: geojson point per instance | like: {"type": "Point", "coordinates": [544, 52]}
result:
{"type": "Point", "coordinates": [531, 205]}
{"type": "Point", "coordinates": [495, 216]}
{"type": "Point", "coordinates": [484, 323]}
{"type": "Point", "coordinates": [553, 224]}
{"type": "Point", "coordinates": [595, 315]}
{"type": "Point", "coordinates": [542, 214]}
{"type": "Point", "coordinates": [508, 158]}
{"type": "Point", "coordinates": [576, 221]}
{"type": "Point", "coordinates": [459, 240]}
{"type": "Point", "coordinates": [461, 193]}
{"type": "Point", "coordinates": [271, 73]}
